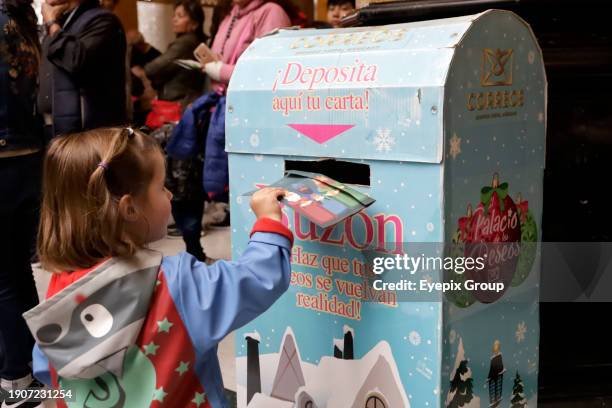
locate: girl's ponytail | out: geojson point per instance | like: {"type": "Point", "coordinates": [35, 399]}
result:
{"type": "Point", "coordinates": [85, 176]}
{"type": "Point", "coordinates": [100, 196]}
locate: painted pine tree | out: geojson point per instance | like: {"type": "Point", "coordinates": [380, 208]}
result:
{"type": "Point", "coordinates": [518, 393]}
{"type": "Point", "coordinates": [461, 393]}
{"type": "Point", "coordinates": [461, 387]}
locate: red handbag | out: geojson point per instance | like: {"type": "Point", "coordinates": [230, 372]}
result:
{"type": "Point", "coordinates": [163, 112]}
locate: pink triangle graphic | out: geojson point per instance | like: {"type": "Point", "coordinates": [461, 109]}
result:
{"type": "Point", "coordinates": [321, 133]}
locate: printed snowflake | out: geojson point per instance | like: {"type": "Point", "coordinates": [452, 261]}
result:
{"type": "Point", "coordinates": [452, 336]}
{"type": "Point", "coordinates": [254, 140]}
{"type": "Point", "coordinates": [383, 140]}
{"type": "Point", "coordinates": [521, 329]}
{"type": "Point", "coordinates": [532, 366]}
{"type": "Point", "coordinates": [531, 57]}
{"type": "Point", "coordinates": [455, 146]}
{"type": "Point", "coordinates": [414, 338]}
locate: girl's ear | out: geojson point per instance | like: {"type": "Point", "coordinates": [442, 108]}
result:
{"type": "Point", "coordinates": [127, 208]}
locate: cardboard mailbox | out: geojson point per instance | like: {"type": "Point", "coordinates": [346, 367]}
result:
{"type": "Point", "coordinates": [443, 123]}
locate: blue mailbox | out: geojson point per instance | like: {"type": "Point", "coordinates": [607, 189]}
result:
{"type": "Point", "coordinates": [443, 123]}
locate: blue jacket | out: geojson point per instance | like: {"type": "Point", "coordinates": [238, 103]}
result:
{"type": "Point", "coordinates": [173, 356]}
{"type": "Point", "coordinates": [20, 126]}
{"type": "Point", "coordinates": [183, 142]}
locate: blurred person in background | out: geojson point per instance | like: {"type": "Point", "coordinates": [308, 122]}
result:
{"type": "Point", "coordinates": [337, 10]}
{"type": "Point", "coordinates": [83, 69]}
{"type": "Point", "coordinates": [180, 86]}
{"type": "Point", "coordinates": [245, 21]}
{"type": "Point", "coordinates": [142, 91]}
{"type": "Point", "coordinates": [174, 82]}
{"type": "Point", "coordinates": [21, 147]}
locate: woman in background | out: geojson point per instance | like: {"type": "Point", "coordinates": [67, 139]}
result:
{"type": "Point", "coordinates": [173, 82]}
{"type": "Point", "coordinates": [246, 21]}
{"type": "Point", "coordinates": [21, 146]}
{"type": "Point", "coordinates": [204, 121]}
{"type": "Point", "coordinates": [177, 84]}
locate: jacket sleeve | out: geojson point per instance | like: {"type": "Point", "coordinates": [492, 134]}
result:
{"type": "Point", "coordinates": [273, 17]}
{"type": "Point", "coordinates": [215, 300]}
{"type": "Point", "coordinates": [76, 53]}
{"type": "Point", "coordinates": [226, 72]}
{"type": "Point", "coordinates": [163, 67]}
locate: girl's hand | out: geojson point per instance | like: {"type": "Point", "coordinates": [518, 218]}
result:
{"type": "Point", "coordinates": [265, 203]}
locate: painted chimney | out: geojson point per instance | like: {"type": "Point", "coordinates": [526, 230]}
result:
{"type": "Point", "coordinates": [349, 335]}
{"type": "Point", "coordinates": [338, 347]}
{"type": "Point", "coordinates": [253, 372]}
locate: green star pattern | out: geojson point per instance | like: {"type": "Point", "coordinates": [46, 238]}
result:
{"type": "Point", "coordinates": [199, 399]}
{"type": "Point", "coordinates": [150, 348]}
{"type": "Point", "coordinates": [164, 325]}
{"type": "Point", "coordinates": [182, 368]}
{"type": "Point", "coordinates": [159, 394]}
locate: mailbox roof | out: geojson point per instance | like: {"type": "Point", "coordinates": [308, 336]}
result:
{"type": "Point", "coordinates": [373, 93]}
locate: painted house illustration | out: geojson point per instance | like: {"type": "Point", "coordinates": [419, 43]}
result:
{"type": "Point", "coordinates": [337, 381]}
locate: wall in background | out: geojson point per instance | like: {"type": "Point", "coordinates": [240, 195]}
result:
{"type": "Point", "coordinates": [126, 11]}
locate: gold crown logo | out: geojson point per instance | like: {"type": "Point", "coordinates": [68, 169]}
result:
{"type": "Point", "coordinates": [496, 68]}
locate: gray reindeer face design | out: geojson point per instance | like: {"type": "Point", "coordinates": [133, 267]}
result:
{"type": "Point", "coordinates": [86, 329]}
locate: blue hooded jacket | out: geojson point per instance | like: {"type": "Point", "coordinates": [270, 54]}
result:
{"type": "Point", "coordinates": [183, 142]}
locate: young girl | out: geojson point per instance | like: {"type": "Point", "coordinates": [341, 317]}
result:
{"type": "Point", "coordinates": [123, 326]}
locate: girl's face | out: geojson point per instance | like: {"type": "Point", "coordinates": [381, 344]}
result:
{"type": "Point", "coordinates": [154, 204]}
{"type": "Point", "coordinates": [181, 23]}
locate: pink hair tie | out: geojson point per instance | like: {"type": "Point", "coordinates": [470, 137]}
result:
{"type": "Point", "coordinates": [103, 165]}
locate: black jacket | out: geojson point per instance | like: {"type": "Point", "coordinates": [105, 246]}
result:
{"type": "Point", "coordinates": [84, 71]}
{"type": "Point", "coordinates": [174, 82]}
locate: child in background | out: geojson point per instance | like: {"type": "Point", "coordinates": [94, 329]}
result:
{"type": "Point", "coordinates": [337, 9]}
{"type": "Point", "coordinates": [124, 326]}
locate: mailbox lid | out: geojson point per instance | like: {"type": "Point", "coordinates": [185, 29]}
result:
{"type": "Point", "coordinates": [431, 34]}
{"type": "Point", "coordinates": [361, 93]}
